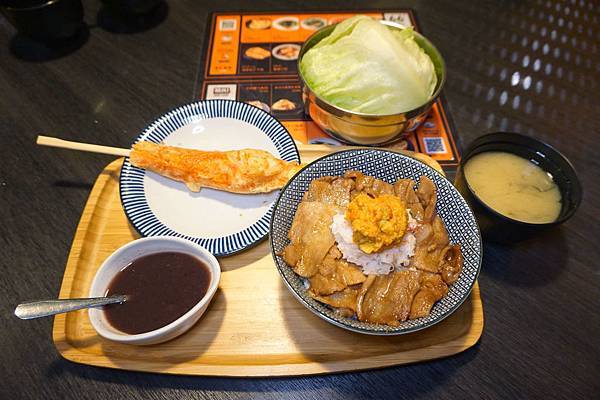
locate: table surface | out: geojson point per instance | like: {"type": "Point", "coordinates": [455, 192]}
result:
{"type": "Point", "coordinates": [530, 67]}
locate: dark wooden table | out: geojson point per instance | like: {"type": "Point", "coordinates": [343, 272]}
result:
{"type": "Point", "coordinates": [526, 66]}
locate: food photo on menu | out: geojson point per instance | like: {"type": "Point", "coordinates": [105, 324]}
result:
{"type": "Point", "coordinates": [330, 200]}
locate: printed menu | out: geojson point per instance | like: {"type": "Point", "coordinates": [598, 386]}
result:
{"type": "Point", "coordinates": [252, 57]}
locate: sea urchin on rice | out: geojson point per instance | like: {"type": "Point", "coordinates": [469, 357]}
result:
{"type": "Point", "coordinates": [384, 262]}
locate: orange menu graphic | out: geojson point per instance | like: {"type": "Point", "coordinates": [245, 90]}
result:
{"type": "Point", "coordinates": [253, 58]}
{"type": "Point", "coordinates": [267, 44]}
{"type": "Point", "coordinates": [288, 28]}
{"type": "Point", "coordinates": [225, 44]}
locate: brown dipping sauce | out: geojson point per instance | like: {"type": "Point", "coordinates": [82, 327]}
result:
{"type": "Point", "coordinates": [161, 287]}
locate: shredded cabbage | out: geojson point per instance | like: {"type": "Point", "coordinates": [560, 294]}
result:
{"type": "Point", "coordinates": [364, 66]}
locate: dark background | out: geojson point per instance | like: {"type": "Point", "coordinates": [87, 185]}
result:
{"type": "Point", "coordinates": [526, 66]}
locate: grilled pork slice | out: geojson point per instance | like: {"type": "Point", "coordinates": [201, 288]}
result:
{"type": "Point", "coordinates": [335, 275]}
{"type": "Point", "coordinates": [432, 289]}
{"type": "Point", "coordinates": [344, 301]}
{"type": "Point", "coordinates": [432, 241]}
{"type": "Point", "coordinates": [237, 171]}
{"type": "Point", "coordinates": [330, 190]}
{"type": "Point", "coordinates": [388, 298]}
{"type": "Point", "coordinates": [310, 238]}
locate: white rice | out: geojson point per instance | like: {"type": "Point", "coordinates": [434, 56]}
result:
{"type": "Point", "coordinates": [384, 262]}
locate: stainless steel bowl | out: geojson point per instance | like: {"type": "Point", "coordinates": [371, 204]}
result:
{"type": "Point", "coordinates": [367, 129]}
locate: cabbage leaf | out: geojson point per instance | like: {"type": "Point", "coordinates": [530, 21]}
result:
{"type": "Point", "coordinates": [366, 67]}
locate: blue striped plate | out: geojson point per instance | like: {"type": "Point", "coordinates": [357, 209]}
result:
{"type": "Point", "coordinates": [222, 222]}
{"type": "Point", "coordinates": [388, 166]}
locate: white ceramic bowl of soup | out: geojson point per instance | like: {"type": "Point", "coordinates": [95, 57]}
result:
{"type": "Point", "coordinates": [135, 250]}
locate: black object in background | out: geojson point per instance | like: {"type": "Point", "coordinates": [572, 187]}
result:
{"type": "Point", "coordinates": [132, 7]}
{"type": "Point", "coordinates": [131, 16]}
{"type": "Point", "coordinates": [45, 21]}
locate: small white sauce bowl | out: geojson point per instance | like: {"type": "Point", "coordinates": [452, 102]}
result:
{"type": "Point", "coordinates": [132, 251]}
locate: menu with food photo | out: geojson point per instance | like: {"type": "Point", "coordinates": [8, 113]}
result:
{"type": "Point", "coordinates": [254, 58]}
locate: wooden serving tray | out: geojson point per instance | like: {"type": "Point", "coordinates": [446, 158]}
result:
{"type": "Point", "coordinates": [253, 327]}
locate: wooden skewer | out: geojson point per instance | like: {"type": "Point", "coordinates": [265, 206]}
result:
{"type": "Point", "coordinates": [312, 151]}
{"type": "Point", "coordinates": [93, 148]}
{"type": "Point", "coordinates": [117, 151]}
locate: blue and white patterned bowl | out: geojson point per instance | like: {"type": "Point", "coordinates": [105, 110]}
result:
{"type": "Point", "coordinates": [222, 222]}
{"type": "Point", "coordinates": [388, 166]}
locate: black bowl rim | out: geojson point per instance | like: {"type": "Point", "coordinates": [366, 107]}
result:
{"type": "Point", "coordinates": [509, 138]}
{"type": "Point", "coordinates": [31, 8]}
{"type": "Point", "coordinates": [355, 329]}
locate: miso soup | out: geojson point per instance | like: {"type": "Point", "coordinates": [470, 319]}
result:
{"type": "Point", "coordinates": [514, 186]}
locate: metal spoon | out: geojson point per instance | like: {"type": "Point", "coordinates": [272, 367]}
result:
{"type": "Point", "coordinates": [44, 308]}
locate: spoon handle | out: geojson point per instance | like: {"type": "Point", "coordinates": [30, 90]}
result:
{"type": "Point", "coordinates": [44, 308]}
